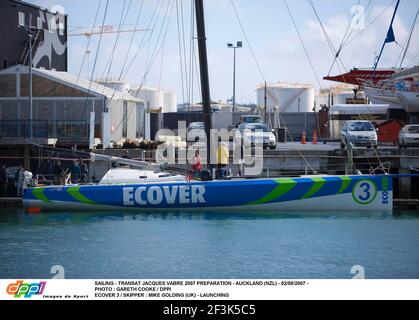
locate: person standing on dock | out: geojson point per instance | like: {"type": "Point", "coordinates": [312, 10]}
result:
{"type": "Point", "coordinates": [223, 155]}
{"type": "Point", "coordinates": [3, 181]}
{"type": "Point", "coordinates": [19, 180]}
{"type": "Point", "coordinates": [84, 171]}
{"type": "Point", "coordinates": [75, 172]}
{"type": "Point", "coordinates": [196, 165]}
{"type": "Point", "coordinates": [59, 177]}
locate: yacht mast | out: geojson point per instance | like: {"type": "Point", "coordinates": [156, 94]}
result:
{"type": "Point", "coordinates": [389, 38]}
{"type": "Point", "coordinates": [203, 65]}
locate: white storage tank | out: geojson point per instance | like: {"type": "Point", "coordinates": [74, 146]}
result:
{"type": "Point", "coordinates": [337, 95]}
{"type": "Point", "coordinates": [153, 98]}
{"type": "Point", "coordinates": [120, 86]}
{"type": "Point", "coordinates": [169, 103]}
{"type": "Point", "coordinates": [287, 97]}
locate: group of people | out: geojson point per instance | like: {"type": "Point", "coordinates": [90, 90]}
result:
{"type": "Point", "coordinates": [223, 157]}
{"type": "Point", "coordinates": [18, 181]}
{"type": "Point", "coordinates": [76, 173]}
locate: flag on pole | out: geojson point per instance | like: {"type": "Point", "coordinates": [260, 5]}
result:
{"type": "Point", "coordinates": [390, 35]}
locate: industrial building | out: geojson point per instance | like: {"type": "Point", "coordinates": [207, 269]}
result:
{"type": "Point", "coordinates": [67, 110]}
{"type": "Point", "coordinates": [18, 20]}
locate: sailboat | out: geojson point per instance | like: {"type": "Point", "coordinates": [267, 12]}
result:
{"type": "Point", "coordinates": [159, 191]}
{"type": "Point", "coordinates": [397, 86]}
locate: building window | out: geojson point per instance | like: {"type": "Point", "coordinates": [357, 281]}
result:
{"type": "Point", "coordinates": [21, 19]}
{"type": "Point", "coordinates": [5, 64]}
{"type": "Point", "coordinates": [52, 26]}
{"type": "Point", "coordinates": [61, 28]}
{"type": "Point", "coordinates": [39, 24]}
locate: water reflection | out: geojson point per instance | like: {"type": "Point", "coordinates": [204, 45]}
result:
{"type": "Point", "coordinates": [21, 216]}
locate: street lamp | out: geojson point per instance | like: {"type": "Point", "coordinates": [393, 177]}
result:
{"type": "Point", "coordinates": [231, 46]}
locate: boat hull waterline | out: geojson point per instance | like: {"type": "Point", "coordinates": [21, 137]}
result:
{"type": "Point", "coordinates": [344, 193]}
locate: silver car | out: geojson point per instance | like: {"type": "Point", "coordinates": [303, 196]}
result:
{"type": "Point", "coordinates": [409, 136]}
{"type": "Point", "coordinates": [256, 133]}
{"type": "Point", "coordinates": [359, 134]}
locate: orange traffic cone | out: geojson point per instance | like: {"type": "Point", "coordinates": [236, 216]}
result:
{"type": "Point", "coordinates": [303, 138]}
{"type": "Point", "coordinates": [315, 137]}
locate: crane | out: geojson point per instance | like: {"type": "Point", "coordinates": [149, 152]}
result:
{"type": "Point", "coordinates": [102, 30]}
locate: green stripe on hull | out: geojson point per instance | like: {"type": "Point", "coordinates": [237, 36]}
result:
{"type": "Point", "coordinates": [39, 194]}
{"type": "Point", "coordinates": [76, 194]}
{"type": "Point", "coordinates": [284, 186]}
{"type": "Point", "coordinates": [317, 185]}
{"type": "Point", "coordinates": [346, 181]}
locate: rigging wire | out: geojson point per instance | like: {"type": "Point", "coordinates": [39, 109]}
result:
{"type": "Point", "coordinates": [151, 26]}
{"type": "Point", "coordinates": [100, 42]}
{"type": "Point", "coordinates": [247, 40]}
{"type": "Point", "coordinates": [409, 38]}
{"type": "Point", "coordinates": [197, 75]}
{"type": "Point", "coordinates": [191, 51]}
{"type": "Point", "coordinates": [122, 20]}
{"type": "Point", "coordinates": [156, 49]}
{"type": "Point", "coordinates": [370, 23]}
{"type": "Point", "coordinates": [180, 51]}
{"type": "Point", "coordinates": [302, 44]}
{"type": "Point", "coordinates": [129, 48]}
{"type": "Point", "coordinates": [361, 34]}
{"type": "Point", "coordinates": [332, 48]}
{"type": "Point", "coordinates": [140, 46]}
{"type": "Point", "coordinates": [310, 59]}
{"type": "Point", "coordinates": [96, 57]}
{"type": "Point", "coordinates": [264, 78]}
{"type": "Point", "coordinates": [346, 36]}
{"type": "Point", "coordinates": [161, 73]}
{"type": "Point", "coordinates": [184, 51]}
{"type": "Point", "coordinates": [163, 31]}
{"type": "Point", "coordinates": [85, 55]}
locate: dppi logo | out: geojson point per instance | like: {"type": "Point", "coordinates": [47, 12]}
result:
{"type": "Point", "coordinates": [27, 290]}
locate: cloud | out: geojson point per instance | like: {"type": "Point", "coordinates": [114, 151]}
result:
{"type": "Point", "coordinates": [273, 38]}
{"type": "Point", "coordinates": [286, 59]}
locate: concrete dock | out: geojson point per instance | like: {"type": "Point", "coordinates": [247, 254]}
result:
{"type": "Point", "coordinates": [11, 203]}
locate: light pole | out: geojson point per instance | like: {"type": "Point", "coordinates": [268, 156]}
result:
{"type": "Point", "coordinates": [30, 85]}
{"type": "Point", "coordinates": [231, 46]}
{"type": "Point", "coordinates": [30, 29]}
{"type": "Point", "coordinates": [88, 52]}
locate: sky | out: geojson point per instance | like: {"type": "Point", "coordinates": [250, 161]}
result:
{"type": "Point", "coordinates": [272, 51]}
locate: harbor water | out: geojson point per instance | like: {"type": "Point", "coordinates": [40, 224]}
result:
{"type": "Point", "coordinates": [209, 245]}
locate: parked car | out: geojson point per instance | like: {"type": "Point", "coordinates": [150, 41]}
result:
{"type": "Point", "coordinates": [409, 136]}
{"type": "Point", "coordinates": [256, 133]}
{"type": "Point", "coordinates": [250, 119]}
{"type": "Point", "coordinates": [359, 133]}
{"type": "Point", "coordinates": [195, 132]}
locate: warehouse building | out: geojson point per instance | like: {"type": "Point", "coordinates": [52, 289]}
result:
{"type": "Point", "coordinates": [66, 110]}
